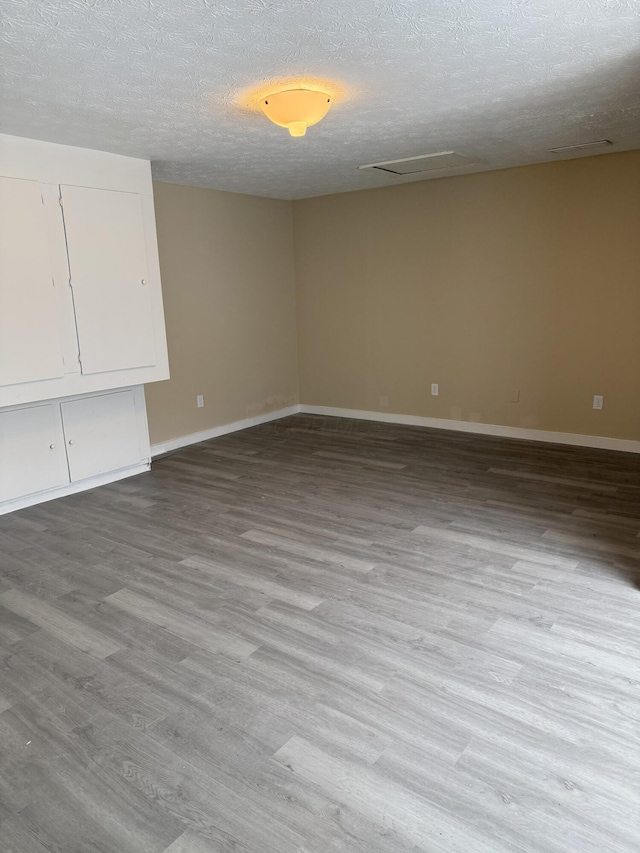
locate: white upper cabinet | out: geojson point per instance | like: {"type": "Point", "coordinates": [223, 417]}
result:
{"type": "Point", "coordinates": [80, 297]}
{"type": "Point", "coordinates": [109, 279]}
{"type": "Point", "coordinates": [30, 344]}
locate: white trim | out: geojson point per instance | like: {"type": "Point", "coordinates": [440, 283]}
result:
{"type": "Point", "coordinates": [214, 432]}
{"type": "Point", "coordinates": [72, 488]}
{"type": "Point", "coordinates": [522, 433]}
{"type": "Point", "coordinates": [599, 441]}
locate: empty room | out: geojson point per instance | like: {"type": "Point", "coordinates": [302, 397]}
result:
{"type": "Point", "coordinates": [320, 426]}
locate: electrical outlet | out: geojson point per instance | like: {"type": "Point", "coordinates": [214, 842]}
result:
{"type": "Point", "coordinates": [200, 401]}
{"type": "Point", "coordinates": [434, 389]}
{"type": "Point", "coordinates": [598, 401]}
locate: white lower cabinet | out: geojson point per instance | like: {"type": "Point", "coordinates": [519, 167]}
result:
{"type": "Point", "coordinates": [52, 449]}
{"type": "Point", "coordinates": [32, 452]}
{"type": "Point", "coordinates": [101, 434]}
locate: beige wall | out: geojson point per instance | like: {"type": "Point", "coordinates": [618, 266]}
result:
{"type": "Point", "coordinates": [523, 280]}
{"type": "Point", "coordinates": [227, 280]}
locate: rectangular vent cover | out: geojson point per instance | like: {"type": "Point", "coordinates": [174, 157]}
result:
{"type": "Point", "coordinates": [582, 146]}
{"type": "Point", "coordinates": [422, 163]}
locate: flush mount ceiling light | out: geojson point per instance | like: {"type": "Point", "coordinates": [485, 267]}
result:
{"type": "Point", "coordinates": [296, 108]}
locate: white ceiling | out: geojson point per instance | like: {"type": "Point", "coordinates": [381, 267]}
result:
{"type": "Point", "coordinates": [498, 81]}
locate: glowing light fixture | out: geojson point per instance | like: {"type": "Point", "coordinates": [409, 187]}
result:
{"type": "Point", "coordinates": [296, 109]}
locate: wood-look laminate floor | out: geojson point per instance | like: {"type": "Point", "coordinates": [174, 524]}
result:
{"type": "Point", "coordinates": [322, 635]}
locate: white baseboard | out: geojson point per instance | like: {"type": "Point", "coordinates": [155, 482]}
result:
{"type": "Point", "coordinates": [522, 433]}
{"type": "Point", "coordinates": [73, 488]}
{"type": "Point", "coordinates": [214, 432]}
{"type": "Point", "coordinates": [598, 441]}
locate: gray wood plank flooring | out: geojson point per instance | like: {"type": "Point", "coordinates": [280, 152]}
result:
{"type": "Point", "coordinates": [327, 636]}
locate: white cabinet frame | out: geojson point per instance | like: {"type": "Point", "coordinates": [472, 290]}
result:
{"type": "Point", "coordinates": [53, 166]}
{"type": "Point", "coordinates": [129, 455]}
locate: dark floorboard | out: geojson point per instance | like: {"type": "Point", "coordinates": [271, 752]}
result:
{"type": "Point", "coordinates": [323, 635]}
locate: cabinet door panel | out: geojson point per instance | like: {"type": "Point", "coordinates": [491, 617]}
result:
{"type": "Point", "coordinates": [101, 434]}
{"type": "Point", "coordinates": [32, 454]}
{"type": "Point", "coordinates": [109, 277]}
{"type": "Point", "coordinates": [61, 278]}
{"type": "Point", "coordinates": [30, 346]}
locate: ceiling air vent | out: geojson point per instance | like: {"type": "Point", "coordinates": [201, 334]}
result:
{"type": "Point", "coordinates": [582, 146]}
{"type": "Point", "coordinates": [422, 163]}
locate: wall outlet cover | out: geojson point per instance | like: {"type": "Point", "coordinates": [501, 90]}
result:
{"type": "Point", "coordinates": [434, 389]}
{"type": "Point", "coordinates": [598, 401]}
{"type": "Point", "coordinates": [200, 401]}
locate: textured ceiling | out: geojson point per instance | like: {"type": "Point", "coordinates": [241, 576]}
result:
{"type": "Point", "coordinates": [498, 81]}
